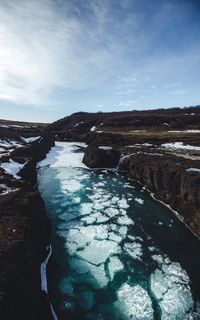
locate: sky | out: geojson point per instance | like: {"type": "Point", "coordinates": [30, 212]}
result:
{"type": "Point", "coordinates": [58, 57]}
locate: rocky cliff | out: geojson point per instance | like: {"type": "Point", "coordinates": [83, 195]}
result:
{"type": "Point", "coordinates": [172, 180]}
{"type": "Point", "coordinates": [24, 234]}
{"type": "Point", "coordinates": [101, 157]}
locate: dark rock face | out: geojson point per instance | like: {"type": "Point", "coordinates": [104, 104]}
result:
{"type": "Point", "coordinates": [168, 178]}
{"type": "Point", "coordinates": [101, 157]}
{"type": "Point", "coordinates": [24, 238]}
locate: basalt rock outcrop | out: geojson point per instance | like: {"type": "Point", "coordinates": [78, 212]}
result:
{"type": "Point", "coordinates": [101, 157]}
{"type": "Point", "coordinates": [24, 237]}
{"type": "Point", "coordinates": [172, 181]}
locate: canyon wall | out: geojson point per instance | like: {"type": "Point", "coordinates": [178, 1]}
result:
{"type": "Point", "coordinates": [24, 239]}
{"type": "Point", "coordinates": [168, 177]}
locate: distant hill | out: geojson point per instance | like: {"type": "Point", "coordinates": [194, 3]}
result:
{"type": "Point", "coordinates": [173, 118]}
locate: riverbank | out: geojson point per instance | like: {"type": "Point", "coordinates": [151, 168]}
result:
{"type": "Point", "coordinates": [24, 229]}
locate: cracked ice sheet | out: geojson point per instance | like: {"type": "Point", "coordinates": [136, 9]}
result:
{"type": "Point", "coordinates": [64, 155]}
{"type": "Point", "coordinates": [134, 303]}
{"type": "Point", "coordinates": [170, 285]}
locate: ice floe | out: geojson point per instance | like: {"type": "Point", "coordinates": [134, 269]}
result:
{"type": "Point", "coordinates": [170, 285]}
{"type": "Point", "coordinates": [140, 201]}
{"type": "Point", "coordinates": [134, 303]}
{"type": "Point", "coordinates": [114, 266]}
{"type": "Point", "coordinates": [134, 249]}
{"type": "Point", "coordinates": [98, 251]}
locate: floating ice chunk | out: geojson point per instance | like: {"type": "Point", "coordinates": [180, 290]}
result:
{"type": "Point", "coordinates": [132, 238]}
{"type": "Point", "coordinates": [134, 303]}
{"type": "Point", "coordinates": [113, 226]}
{"type": "Point", "coordinates": [89, 219]}
{"type": "Point", "coordinates": [160, 259]}
{"type": "Point", "coordinates": [134, 250]}
{"type": "Point", "coordinates": [171, 286]}
{"type": "Point", "coordinates": [125, 220]}
{"type": "Point", "coordinates": [101, 232]}
{"type": "Point", "coordinates": [71, 185]}
{"type": "Point", "coordinates": [79, 238]}
{"type": "Point", "coordinates": [114, 237]}
{"type": "Point", "coordinates": [100, 184]}
{"type": "Point", "coordinates": [159, 284]}
{"type": "Point", "coordinates": [86, 208]}
{"type": "Point", "coordinates": [122, 211]}
{"type": "Point", "coordinates": [140, 201]}
{"type": "Point", "coordinates": [175, 273]}
{"type": "Point", "coordinates": [98, 251]}
{"type": "Point", "coordinates": [100, 218]}
{"type": "Point", "coordinates": [112, 212]}
{"type": "Point", "coordinates": [123, 204]}
{"type": "Point", "coordinates": [177, 303]}
{"type": "Point", "coordinates": [98, 206]}
{"type": "Point", "coordinates": [115, 199]}
{"type": "Point", "coordinates": [151, 248]}
{"type": "Point", "coordinates": [114, 266]}
{"type": "Point", "coordinates": [93, 128]}
{"type": "Point", "coordinates": [123, 231]}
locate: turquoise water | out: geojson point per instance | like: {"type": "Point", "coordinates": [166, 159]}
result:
{"type": "Point", "coordinates": [117, 253]}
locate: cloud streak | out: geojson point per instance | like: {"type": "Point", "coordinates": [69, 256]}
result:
{"type": "Point", "coordinates": [81, 52]}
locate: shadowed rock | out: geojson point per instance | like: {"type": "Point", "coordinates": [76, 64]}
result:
{"type": "Point", "coordinates": [101, 157]}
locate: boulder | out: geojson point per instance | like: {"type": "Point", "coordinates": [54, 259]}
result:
{"type": "Point", "coordinates": [101, 157]}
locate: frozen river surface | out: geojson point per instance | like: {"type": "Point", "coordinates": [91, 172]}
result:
{"type": "Point", "coordinates": [117, 253]}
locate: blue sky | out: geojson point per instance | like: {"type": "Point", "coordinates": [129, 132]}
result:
{"type": "Point", "coordinates": [62, 56]}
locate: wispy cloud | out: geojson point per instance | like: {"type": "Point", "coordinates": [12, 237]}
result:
{"type": "Point", "coordinates": [81, 52]}
{"type": "Point", "coordinates": [43, 50]}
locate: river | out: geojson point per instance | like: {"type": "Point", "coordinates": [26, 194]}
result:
{"type": "Point", "coordinates": [118, 254]}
